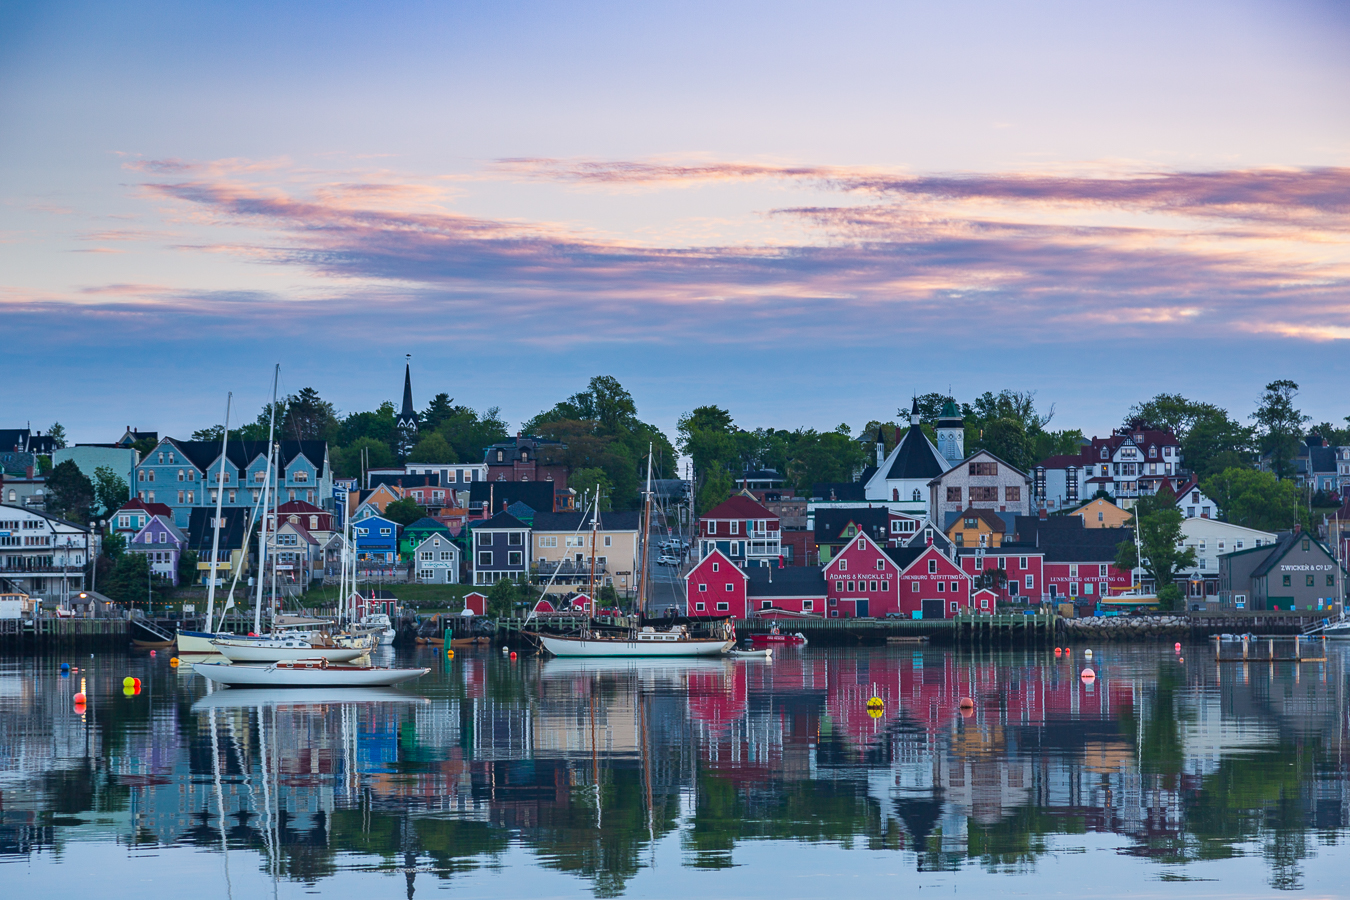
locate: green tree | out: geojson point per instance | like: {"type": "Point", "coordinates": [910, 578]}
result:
{"type": "Point", "coordinates": [1214, 441]}
{"type": "Point", "coordinates": [441, 407]}
{"type": "Point", "coordinates": [716, 486]}
{"type": "Point", "coordinates": [1007, 439]}
{"type": "Point", "coordinates": [831, 456]}
{"type": "Point", "coordinates": [110, 491]}
{"type": "Point", "coordinates": [1280, 426]}
{"type": "Point", "coordinates": [187, 567]}
{"type": "Point", "coordinates": [404, 512]}
{"type": "Point", "coordinates": [1256, 499]}
{"type": "Point", "coordinates": [58, 435]}
{"type": "Point", "coordinates": [129, 582]}
{"type": "Point", "coordinates": [433, 448]}
{"type": "Point", "coordinates": [585, 481]}
{"type": "Point", "coordinates": [69, 493]}
{"type": "Point", "coordinates": [346, 461]}
{"type": "Point", "coordinates": [501, 599]}
{"type": "Point", "coordinates": [471, 433]}
{"type": "Point", "coordinates": [1169, 412]}
{"type": "Point", "coordinates": [308, 417]}
{"type": "Point", "coordinates": [1160, 539]}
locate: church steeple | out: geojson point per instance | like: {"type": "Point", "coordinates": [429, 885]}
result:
{"type": "Point", "coordinates": [914, 413]}
{"type": "Point", "coordinates": [407, 417]}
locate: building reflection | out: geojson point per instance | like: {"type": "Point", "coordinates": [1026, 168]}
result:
{"type": "Point", "coordinates": [590, 763]}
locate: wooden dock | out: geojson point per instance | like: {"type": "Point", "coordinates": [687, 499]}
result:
{"type": "Point", "coordinates": [967, 628]}
{"type": "Point", "coordinates": [1270, 648]}
{"type": "Point", "coordinates": [51, 632]}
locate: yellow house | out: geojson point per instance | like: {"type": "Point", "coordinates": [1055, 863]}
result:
{"type": "Point", "coordinates": [561, 551]}
{"type": "Point", "coordinates": [1102, 514]}
{"type": "Point", "coordinates": [977, 528]}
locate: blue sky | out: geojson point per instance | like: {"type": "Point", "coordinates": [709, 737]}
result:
{"type": "Point", "coordinates": [803, 212]}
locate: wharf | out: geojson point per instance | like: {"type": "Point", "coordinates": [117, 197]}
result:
{"type": "Point", "coordinates": [1269, 648]}
{"type": "Point", "coordinates": [966, 628]}
{"type": "Point", "coordinates": [53, 632]}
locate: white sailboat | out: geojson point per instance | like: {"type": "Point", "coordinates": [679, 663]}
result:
{"type": "Point", "coordinates": [306, 673]}
{"type": "Point", "coordinates": [647, 642]}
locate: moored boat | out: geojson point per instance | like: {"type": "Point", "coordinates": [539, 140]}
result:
{"type": "Point", "coordinates": [305, 673]}
{"type": "Point", "coordinates": [775, 638]}
{"type": "Point", "coordinates": [268, 650]}
{"type": "Point", "coordinates": [766, 653]}
{"type": "Point", "coordinates": [647, 642]}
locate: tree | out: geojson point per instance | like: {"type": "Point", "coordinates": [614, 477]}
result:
{"type": "Point", "coordinates": [58, 435]}
{"type": "Point", "coordinates": [433, 448]}
{"type": "Point", "coordinates": [716, 487]}
{"type": "Point", "coordinates": [308, 417]}
{"type": "Point", "coordinates": [347, 460]}
{"type": "Point", "coordinates": [1170, 412]}
{"type": "Point", "coordinates": [441, 407]}
{"type": "Point", "coordinates": [1280, 425]}
{"type": "Point", "coordinates": [69, 493]}
{"type": "Point", "coordinates": [1256, 499]}
{"type": "Point", "coordinates": [129, 582]}
{"type": "Point", "coordinates": [1007, 439]}
{"type": "Point", "coordinates": [187, 567]}
{"type": "Point", "coordinates": [815, 457]}
{"type": "Point", "coordinates": [110, 491]}
{"type": "Point", "coordinates": [585, 481]}
{"type": "Point", "coordinates": [501, 599]}
{"type": "Point", "coordinates": [1160, 539]}
{"type": "Point", "coordinates": [1214, 441]}
{"type": "Point", "coordinates": [404, 512]}
{"type": "Point", "coordinates": [1336, 437]}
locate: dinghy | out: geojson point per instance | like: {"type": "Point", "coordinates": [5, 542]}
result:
{"type": "Point", "coordinates": [766, 653]}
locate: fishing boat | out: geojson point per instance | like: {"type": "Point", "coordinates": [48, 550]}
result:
{"type": "Point", "coordinates": [306, 673]}
{"type": "Point", "coordinates": [647, 642]}
{"type": "Point", "coordinates": [270, 650]}
{"type": "Point", "coordinates": [775, 638]}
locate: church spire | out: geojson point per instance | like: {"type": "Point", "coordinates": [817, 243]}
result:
{"type": "Point", "coordinates": [914, 412]}
{"type": "Point", "coordinates": [408, 414]}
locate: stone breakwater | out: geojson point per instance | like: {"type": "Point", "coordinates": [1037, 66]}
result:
{"type": "Point", "coordinates": [1126, 628]}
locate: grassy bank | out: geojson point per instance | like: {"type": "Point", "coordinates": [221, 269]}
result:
{"type": "Point", "coordinates": [415, 596]}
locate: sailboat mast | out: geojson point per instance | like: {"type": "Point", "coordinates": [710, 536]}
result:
{"type": "Point", "coordinates": [646, 537]}
{"type": "Point", "coordinates": [267, 484]}
{"type": "Point", "coordinates": [595, 521]}
{"type": "Point", "coordinates": [220, 498]}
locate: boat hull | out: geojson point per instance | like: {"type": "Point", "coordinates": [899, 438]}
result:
{"type": "Point", "coordinates": [259, 652]}
{"type": "Point", "coordinates": [316, 677]}
{"type": "Point", "coordinates": [199, 642]}
{"type": "Point", "coordinates": [776, 640]}
{"type": "Point", "coordinates": [587, 647]}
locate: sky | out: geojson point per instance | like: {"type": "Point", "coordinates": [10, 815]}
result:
{"type": "Point", "coordinates": [803, 212]}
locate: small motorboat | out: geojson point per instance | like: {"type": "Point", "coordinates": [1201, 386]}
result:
{"type": "Point", "coordinates": [481, 640]}
{"type": "Point", "coordinates": [378, 624]}
{"type": "Point", "coordinates": [305, 673]}
{"type": "Point", "coordinates": [766, 653]}
{"type": "Point", "coordinates": [267, 650]}
{"type": "Point", "coordinates": [776, 638]}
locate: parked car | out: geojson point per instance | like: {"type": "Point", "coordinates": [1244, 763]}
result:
{"type": "Point", "coordinates": [666, 559]}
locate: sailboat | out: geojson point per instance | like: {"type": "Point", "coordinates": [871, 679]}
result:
{"type": "Point", "coordinates": [306, 673]}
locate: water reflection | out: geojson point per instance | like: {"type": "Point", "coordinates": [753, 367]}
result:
{"type": "Point", "coordinates": [591, 765]}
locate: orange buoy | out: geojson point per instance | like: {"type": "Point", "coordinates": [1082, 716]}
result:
{"type": "Point", "coordinates": [449, 654]}
{"type": "Point", "coordinates": [967, 703]}
{"type": "Point", "coordinates": [1088, 675]}
{"type": "Point", "coordinates": [79, 698]}
{"type": "Point", "coordinates": [173, 661]}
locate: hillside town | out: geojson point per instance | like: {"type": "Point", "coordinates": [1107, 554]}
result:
{"type": "Point", "coordinates": [957, 509]}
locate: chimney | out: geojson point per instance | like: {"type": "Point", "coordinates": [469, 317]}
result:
{"type": "Point", "coordinates": [897, 435]}
{"type": "Point", "coordinates": [1298, 527]}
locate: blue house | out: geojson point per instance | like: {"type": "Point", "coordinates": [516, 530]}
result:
{"type": "Point", "coordinates": [499, 549]}
{"type": "Point", "coordinates": [183, 475]}
{"type": "Point", "coordinates": [376, 541]}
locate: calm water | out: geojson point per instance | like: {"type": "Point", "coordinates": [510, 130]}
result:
{"type": "Point", "coordinates": [543, 778]}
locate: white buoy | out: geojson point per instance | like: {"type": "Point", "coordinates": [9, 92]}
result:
{"type": "Point", "coordinates": [1087, 654]}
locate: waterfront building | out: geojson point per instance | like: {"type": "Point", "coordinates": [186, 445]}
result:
{"type": "Point", "coordinates": [162, 544]}
{"type": "Point", "coordinates": [41, 555]}
{"type": "Point", "coordinates": [500, 545]}
{"type": "Point", "coordinates": [436, 559]}
{"type": "Point", "coordinates": [1211, 539]}
{"type": "Point", "coordinates": [716, 587]}
{"type": "Point", "coordinates": [741, 529]}
{"type": "Point", "coordinates": [1014, 573]}
{"type": "Point", "coordinates": [376, 541]}
{"type": "Point", "coordinates": [981, 481]}
{"type": "Point", "coordinates": [1297, 572]}
{"type": "Point", "coordinates": [561, 550]}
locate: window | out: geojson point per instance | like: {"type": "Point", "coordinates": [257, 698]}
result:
{"type": "Point", "coordinates": [885, 585]}
{"type": "Point", "coordinates": [932, 567]}
{"type": "Point", "coordinates": [703, 589]}
{"type": "Point", "coordinates": [515, 538]}
{"type": "Point", "coordinates": [913, 587]}
{"type": "Point", "coordinates": [1287, 581]}
{"type": "Point", "coordinates": [1087, 589]}
{"type": "Point", "coordinates": [428, 574]}
{"type": "Point", "coordinates": [1309, 581]}
{"type": "Point", "coordinates": [730, 587]}
{"type": "Point", "coordinates": [550, 541]}
{"type": "Point", "coordinates": [300, 477]}
{"type": "Point", "coordinates": [180, 496]}
{"type": "Point", "coordinates": [484, 538]}
{"type": "Point", "coordinates": [712, 527]}
{"type": "Point", "coordinates": [970, 523]}
{"type": "Point", "coordinates": [1331, 581]}
{"type": "Point", "coordinates": [872, 586]}
{"type": "Point", "coordinates": [384, 532]}
{"type": "Point", "coordinates": [984, 468]}
{"type": "Point", "coordinates": [609, 540]}
{"type": "Point", "coordinates": [1030, 583]}
{"type": "Point", "coordinates": [839, 587]}
{"type": "Point", "coordinates": [1307, 543]}
{"type": "Point", "coordinates": [734, 527]}
{"type": "Point", "coordinates": [699, 607]}
{"type": "Point", "coordinates": [985, 494]}
{"type": "Point", "coordinates": [1238, 545]}
{"type": "Point", "coordinates": [722, 607]}
{"type": "Point", "coordinates": [447, 555]}
{"type": "Point", "coordinates": [843, 565]}
{"type": "Point", "coordinates": [1073, 570]}
{"type": "Point", "coordinates": [485, 557]}
{"type": "Point", "coordinates": [942, 587]}
{"type": "Point", "coordinates": [916, 497]}
{"type": "Point", "coordinates": [881, 565]}
{"type": "Point", "coordinates": [1021, 562]}
{"type": "Point", "coordinates": [426, 555]}
{"type": "Point", "coordinates": [515, 558]}
{"type": "Point", "coordinates": [806, 606]}
{"type": "Point", "coordinates": [715, 566]}
{"type": "Point", "coordinates": [953, 495]}
{"type": "Point", "coordinates": [1013, 492]}
{"type": "Point", "coordinates": [1101, 571]}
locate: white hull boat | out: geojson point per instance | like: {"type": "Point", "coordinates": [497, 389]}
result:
{"type": "Point", "coordinates": [245, 697]}
{"type": "Point", "coordinates": [308, 673]}
{"type": "Point", "coordinates": [665, 644]}
{"type": "Point", "coordinates": [248, 650]}
{"type": "Point", "coordinates": [198, 643]}
{"type": "Point", "coordinates": [766, 653]}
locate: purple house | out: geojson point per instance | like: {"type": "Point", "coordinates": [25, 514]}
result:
{"type": "Point", "coordinates": [162, 543]}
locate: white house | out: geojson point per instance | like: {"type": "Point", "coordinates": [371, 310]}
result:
{"type": "Point", "coordinates": [1211, 539]}
{"type": "Point", "coordinates": [436, 560]}
{"type": "Point", "coordinates": [41, 555]}
{"type": "Point", "coordinates": [1193, 503]}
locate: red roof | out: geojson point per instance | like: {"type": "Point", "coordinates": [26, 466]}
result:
{"type": "Point", "coordinates": [154, 509]}
{"type": "Point", "coordinates": [739, 507]}
{"type": "Point", "coordinates": [300, 506]}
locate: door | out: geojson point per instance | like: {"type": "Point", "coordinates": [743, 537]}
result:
{"type": "Point", "coordinates": [934, 609]}
{"type": "Point", "coordinates": [861, 607]}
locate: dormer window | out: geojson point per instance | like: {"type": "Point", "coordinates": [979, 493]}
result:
{"type": "Point", "coordinates": [501, 457]}
{"type": "Point", "coordinates": [1103, 453]}
{"type": "Point", "coordinates": [524, 456]}
{"type": "Point", "coordinates": [1152, 452]}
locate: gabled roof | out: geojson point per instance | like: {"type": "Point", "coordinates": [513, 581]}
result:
{"type": "Point", "coordinates": [979, 453]}
{"type": "Point", "coordinates": [988, 516]}
{"type": "Point", "coordinates": [537, 495]}
{"type": "Point", "coordinates": [794, 581]}
{"type": "Point", "coordinates": [1286, 542]}
{"type": "Point", "coordinates": [501, 522]}
{"type": "Point", "coordinates": [428, 524]}
{"type": "Point", "coordinates": [737, 507]}
{"type": "Point", "coordinates": [242, 454]}
{"type": "Point", "coordinates": [831, 522]}
{"type": "Point", "coordinates": [405, 481]}
{"type": "Point", "coordinates": [914, 457]}
{"type": "Point", "coordinates": [573, 521]}
{"type": "Point", "coordinates": [302, 508]}
{"type": "Point", "coordinates": [903, 557]}
{"type": "Point", "coordinates": [166, 524]}
{"type": "Point", "coordinates": [301, 530]}
{"type": "Point", "coordinates": [445, 538]}
{"type": "Point", "coordinates": [135, 504]}
{"type": "Point", "coordinates": [1067, 539]}
{"type": "Point", "coordinates": [232, 536]}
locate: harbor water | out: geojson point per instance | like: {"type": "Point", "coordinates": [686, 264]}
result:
{"type": "Point", "coordinates": [825, 772]}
